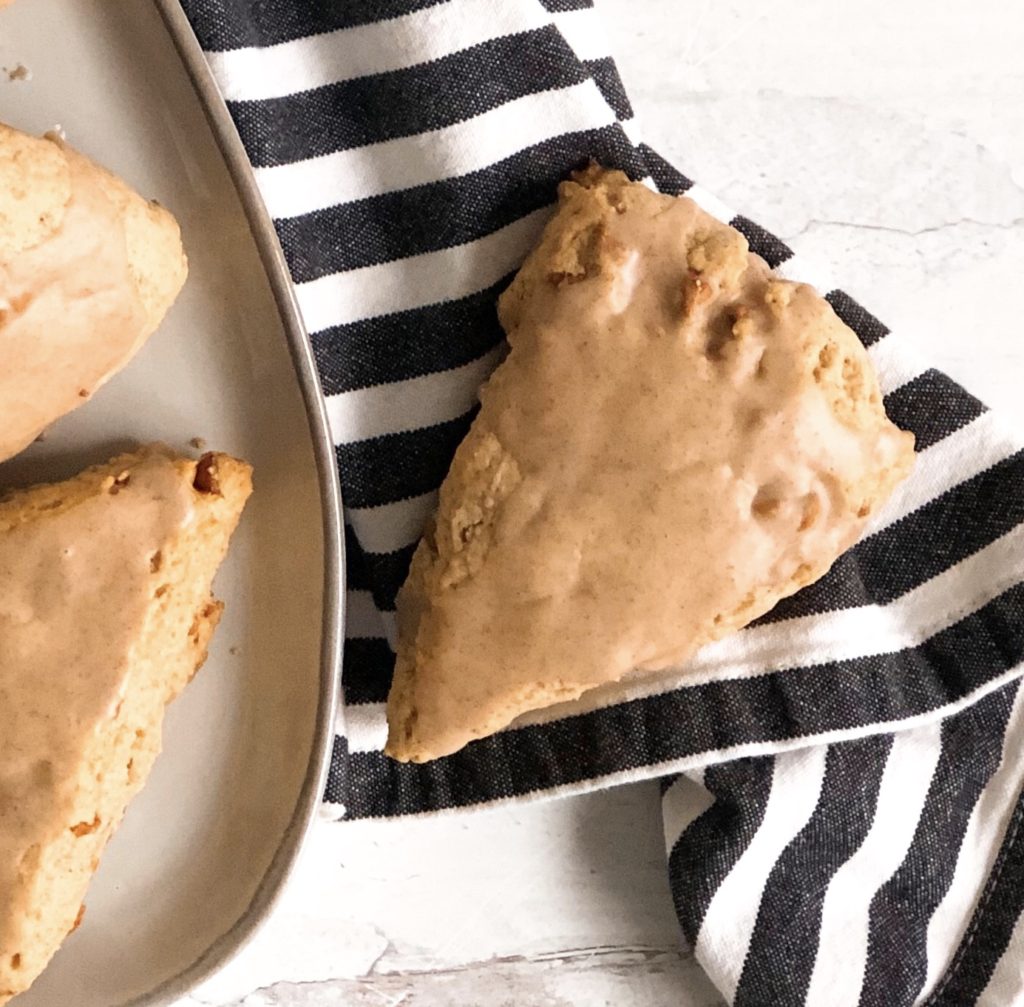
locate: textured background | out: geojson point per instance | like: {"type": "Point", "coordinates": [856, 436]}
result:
{"type": "Point", "coordinates": [885, 140]}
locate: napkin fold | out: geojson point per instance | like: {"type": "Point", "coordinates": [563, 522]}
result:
{"type": "Point", "coordinates": [841, 783]}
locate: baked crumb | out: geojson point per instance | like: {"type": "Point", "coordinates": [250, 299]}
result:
{"type": "Point", "coordinates": [205, 480]}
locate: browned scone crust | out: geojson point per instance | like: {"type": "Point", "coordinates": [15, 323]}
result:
{"type": "Point", "coordinates": [106, 614]}
{"type": "Point", "coordinates": [88, 269]}
{"type": "Point", "coordinates": [677, 440]}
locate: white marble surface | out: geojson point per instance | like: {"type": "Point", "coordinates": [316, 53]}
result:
{"type": "Point", "coordinates": [886, 141]}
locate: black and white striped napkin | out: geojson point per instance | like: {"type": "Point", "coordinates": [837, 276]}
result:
{"type": "Point", "coordinates": [841, 780]}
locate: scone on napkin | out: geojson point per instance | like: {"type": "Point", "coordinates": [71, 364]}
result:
{"type": "Point", "coordinates": [677, 440]}
{"type": "Point", "coordinates": [88, 269]}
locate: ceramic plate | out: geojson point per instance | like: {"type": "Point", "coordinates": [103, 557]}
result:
{"type": "Point", "coordinates": [206, 846]}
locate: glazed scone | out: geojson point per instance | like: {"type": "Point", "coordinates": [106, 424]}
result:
{"type": "Point", "coordinates": [677, 440]}
{"type": "Point", "coordinates": [105, 615]}
{"type": "Point", "coordinates": [88, 269]}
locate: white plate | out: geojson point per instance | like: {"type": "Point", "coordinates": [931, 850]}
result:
{"type": "Point", "coordinates": [206, 846]}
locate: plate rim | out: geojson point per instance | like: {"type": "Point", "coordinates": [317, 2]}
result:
{"type": "Point", "coordinates": [275, 267]}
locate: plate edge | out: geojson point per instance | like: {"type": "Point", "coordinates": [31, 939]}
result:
{"type": "Point", "coordinates": [276, 269]}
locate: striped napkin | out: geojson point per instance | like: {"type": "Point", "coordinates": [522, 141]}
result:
{"type": "Point", "coordinates": [841, 781]}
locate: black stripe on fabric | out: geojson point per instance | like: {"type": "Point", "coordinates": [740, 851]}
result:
{"type": "Point", "coordinates": [709, 848]}
{"type": "Point", "coordinates": [408, 344]}
{"type": "Point", "coordinates": [933, 406]}
{"type": "Point", "coordinates": [868, 328]}
{"type": "Point", "coordinates": [609, 83]}
{"type": "Point", "coordinates": [388, 571]}
{"type": "Point", "coordinates": [450, 212]}
{"type": "Point", "coordinates": [367, 667]}
{"type": "Point", "coordinates": [380, 573]}
{"type": "Point", "coordinates": [236, 24]}
{"type": "Point", "coordinates": [916, 548]}
{"type": "Point", "coordinates": [337, 787]}
{"type": "Point", "coordinates": [773, 250]}
{"type": "Point", "coordinates": [560, 6]}
{"type": "Point", "coordinates": [897, 958]}
{"type": "Point", "coordinates": [406, 102]}
{"type": "Point", "coordinates": [667, 177]}
{"type": "Point", "coordinates": [395, 467]}
{"type": "Point", "coordinates": [988, 934]}
{"type": "Point", "coordinates": [357, 573]}
{"type": "Point", "coordinates": [781, 954]}
{"type": "Point", "coordinates": [664, 782]}
{"type": "Point", "coordinates": [707, 718]}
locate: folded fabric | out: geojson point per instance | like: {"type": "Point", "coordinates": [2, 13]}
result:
{"type": "Point", "coordinates": [842, 825]}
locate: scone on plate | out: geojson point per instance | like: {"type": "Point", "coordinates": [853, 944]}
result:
{"type": "Point", "coordinates": [88, 268]}
{"type": "Point", "coordinates": [105, 614]}
{"type": "Point", "coordinates": [677, 440]}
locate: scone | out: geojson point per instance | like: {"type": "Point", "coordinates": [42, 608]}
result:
{"type": "Point", "coordinates": [105, 615]}
{"type": "Point", "coordinates": [88, 268]}
{"type": "Point", "coordinates": [677, 440]}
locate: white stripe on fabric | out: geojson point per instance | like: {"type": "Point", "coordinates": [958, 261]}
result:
{"type": "Point", "coordinates": [834, 636]}
{"type": "Point", "coordinates": [364, 621]}
{"type": "Point", "coordinates": [391, 526]}
{"type": "Point", "coordinates": [961, 456]}
{"type": "Point", "coordinates": [254, 74]}
{"type": "Point", "coordinates": [442, 154]}
{"type": "Point", "coordinates": [419, 280]}
{"type": "Point", "coordinates": [366, 726]}
{"type": "Point", "coordinates": [843, 937]}
{"type": "Point", "coordinates": [1006, 987]}
{"type": "Point", "coordinates": [710, 203]}
{"type": "Point", "coordinates": [895, 363]}
{"type": "Point", "coordinates": [630, 128]}
{"type": "Point", "coordinates": [978, 852]}
{"type": "Point", "coordinates": [584, 30]}
{"type": "Point", "coordinates": [408, 405]}
{"type": "Point", "coordinates": [801, 270]}
{"type": "Point", "coordinates": [729, 921]}
{"type": "Point", "coordinates": [682, 804]}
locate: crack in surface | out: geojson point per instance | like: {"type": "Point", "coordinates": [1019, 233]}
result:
{"type": "Point", "coordinates": [813, 223]}
{"type": "Point", "coordinates": [613, 959]}
{"type": "Point", "coordinates": [634, 955]}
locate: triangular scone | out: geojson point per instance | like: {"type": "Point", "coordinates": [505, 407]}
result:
{"type": "Point", "coordinates": [88, 268]}
{"type": "Point", "coordinates": [676, 441]}
{"type": "Point", "coordinates": [105, 615]}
